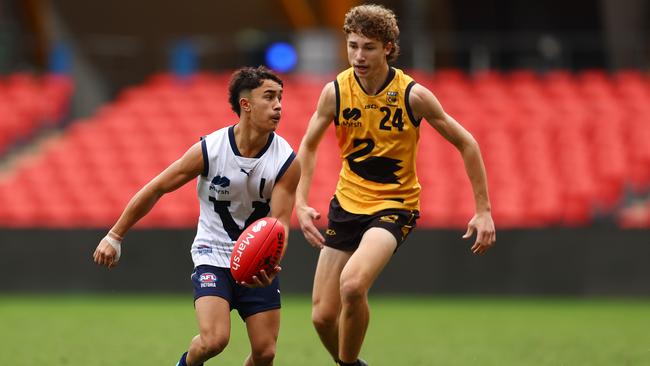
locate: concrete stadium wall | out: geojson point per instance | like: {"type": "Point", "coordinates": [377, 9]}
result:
{"type": "Point", "coordinates": [591, 262]}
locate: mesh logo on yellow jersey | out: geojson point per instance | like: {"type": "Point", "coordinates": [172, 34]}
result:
{"type": "Point", "coordinates": [350, 117]}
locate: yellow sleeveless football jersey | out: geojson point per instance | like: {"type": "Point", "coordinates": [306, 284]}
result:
{"type": "Point", "coordinates": [378, 140]}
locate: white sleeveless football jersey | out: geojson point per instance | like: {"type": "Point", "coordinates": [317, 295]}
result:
{"type": "Point", "coordinates": [234, 191]}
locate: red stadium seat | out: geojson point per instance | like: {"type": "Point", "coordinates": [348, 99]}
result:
{"type": "Point", "coordinates": [29, 104]}
{"type": "Point", "coordinates": [557, 146]}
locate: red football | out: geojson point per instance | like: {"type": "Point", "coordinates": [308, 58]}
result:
{"type": "Point", "coordinates": [258, 247]}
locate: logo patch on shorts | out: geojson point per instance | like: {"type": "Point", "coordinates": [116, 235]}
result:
{"type": "Point", "coordinates": [208, 279]}
{"type": "Point", "coordinates": [330, 232]}
{"type": "Point", "coordinates": [406, 230]}
{"type": "Point", "coordinates": [389, 218]}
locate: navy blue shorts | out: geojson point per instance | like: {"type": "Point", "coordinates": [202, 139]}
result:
{"type": "Point", "coordinates": [217, 281]}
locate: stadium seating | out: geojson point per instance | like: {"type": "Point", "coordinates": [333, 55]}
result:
{"type": "Point", "coordinates": [29, 103]}
{"type": "Point", "coordinates": [558, 148]}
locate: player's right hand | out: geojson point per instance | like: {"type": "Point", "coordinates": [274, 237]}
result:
{"type": "Point", "coordinates": [263, 278]}
{"type": "Point", "coordinates": [306, 216]}
{"type": "Point", "coordinates": [106, 255]}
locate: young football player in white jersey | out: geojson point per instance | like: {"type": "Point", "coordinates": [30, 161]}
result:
{"type": "Point", "coordinates": [245, 172]}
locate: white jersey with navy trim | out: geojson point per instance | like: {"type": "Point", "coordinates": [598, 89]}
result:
{"type": "Point", "coordinates": [234, 191]}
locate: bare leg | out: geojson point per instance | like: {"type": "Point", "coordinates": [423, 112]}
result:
{"type": "Point", "coordinates": [375, 250]}
{"type": "Point", "coordinates": [326, 300]}
{"type": "Point", "coordinates": [213, 316]}
{"type": "Point", "coordinates": [263, 329]}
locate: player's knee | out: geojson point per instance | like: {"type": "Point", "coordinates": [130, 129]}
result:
{"type": "Point", "coordinates": [323, 313]}
{"type": "Point", "coordinates": [323, 318]}
{"type": "Point", "coordinates": [352, 290]}
{"type": "Point", "coordinates": [263, 355]}
{"type": "Point", "coordinates": [214, 345]}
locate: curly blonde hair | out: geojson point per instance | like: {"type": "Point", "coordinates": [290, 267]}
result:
{"type": "Point", "coordinates": [375, 22]}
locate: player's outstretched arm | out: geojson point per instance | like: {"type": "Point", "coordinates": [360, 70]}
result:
{"type": "Point", "coordinates": [425, 104]}
{"type": "Point", "coordinates": [188, 167]}
{"type": "Point", "coordinates": [318, 124]}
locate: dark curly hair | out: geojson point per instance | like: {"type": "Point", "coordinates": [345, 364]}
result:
{"type": "Point", "coordinates": [375, 22]}
{"type": "Point", "coordinates": [248, 78]}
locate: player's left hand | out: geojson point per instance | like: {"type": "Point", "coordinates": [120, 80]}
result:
{"type": "Point", "coordinates": [486, 235]}
{"type": "Point", "coordinates": [263, 279]}
{"type": "Point", "coordinates": [106, 255]}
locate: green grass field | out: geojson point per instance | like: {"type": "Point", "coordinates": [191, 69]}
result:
{"type": "Point", "coordinates": [154, 330]}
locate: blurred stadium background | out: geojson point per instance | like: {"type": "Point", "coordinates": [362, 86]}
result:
{"type": "Point", "coordinates": [96, 98]}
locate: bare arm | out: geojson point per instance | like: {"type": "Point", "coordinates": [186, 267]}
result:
{"type": "Point", "coordinates": [425, 104]}
{"type": "Point", "coordinates": [188, 167]}
{"type": "Point", "coordinates": [284, 195]}
{"type": "Point", "coordinates": [282, 200]}
{"type": "Point", "coordinates": [318, 124]}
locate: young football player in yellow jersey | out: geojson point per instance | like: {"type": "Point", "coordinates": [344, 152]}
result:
{"type": "Point", "coordinates": [376, 110]}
